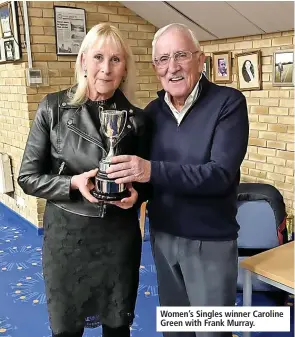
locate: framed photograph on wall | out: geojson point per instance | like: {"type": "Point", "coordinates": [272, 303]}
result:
{"type": "Point", "coordinates": [70, 29]}
{"type": "Point", "coordinates": [10, 49]}
{"type": "Point", "coordinates": [207, 67]}
{"type": "Point", "coordinates": [222, 72]}
{"type": "Point", "coordinates": [283, 68]}
{"type": "Point", "coordinates": [5, 20]}
{"type": "Point", "coordinates": [249, 70]}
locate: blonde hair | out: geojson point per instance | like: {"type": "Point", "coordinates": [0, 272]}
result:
{"type": "Point", "coordinates": [104, 32]}
{"type": "Point", "coordinates": [178, 26]}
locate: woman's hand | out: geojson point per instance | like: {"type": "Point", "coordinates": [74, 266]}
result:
{"type": "Point", "coordinates": [126, 203]}
{"type": "Point", "coordinates": [83, 183]}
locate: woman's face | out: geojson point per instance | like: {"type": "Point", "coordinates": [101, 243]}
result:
{"type": "Point", "coordinates": [105, 65]}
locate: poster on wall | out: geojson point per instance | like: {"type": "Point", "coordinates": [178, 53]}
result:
{"type": "Point", "coordinates": [70, 29]}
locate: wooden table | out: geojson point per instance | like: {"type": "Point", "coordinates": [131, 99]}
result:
{"type": "Point", "coordinates": [274, 266]}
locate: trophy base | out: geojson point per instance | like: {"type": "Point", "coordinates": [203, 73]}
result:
{"type": "Point", "coordinates": [111, 197]}
{"type": "Point", "coordinates": [106, 189]}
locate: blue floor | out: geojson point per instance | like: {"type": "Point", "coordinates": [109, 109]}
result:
{"type": "Point", "coordinates": [22, 299]}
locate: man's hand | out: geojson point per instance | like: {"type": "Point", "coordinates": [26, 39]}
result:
{"type": "Point", "coordinates": [126, 203]}
{"type": "Point", "coordinates": [128, 169]}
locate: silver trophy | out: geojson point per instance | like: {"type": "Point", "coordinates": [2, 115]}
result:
{"type": "Point", "coordinates": [113, 123]}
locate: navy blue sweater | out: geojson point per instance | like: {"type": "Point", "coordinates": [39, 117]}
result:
{"type": "Point", "coordinates": [196, 165]}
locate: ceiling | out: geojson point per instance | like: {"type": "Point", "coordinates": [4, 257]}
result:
{"type": "Point", "coordinates": [212, 20]}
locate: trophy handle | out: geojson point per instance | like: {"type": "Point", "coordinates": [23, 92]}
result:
{"type": "Point", "coordinates": [100, 110]}
{"type": "Point", "coordinates": [126, 117]}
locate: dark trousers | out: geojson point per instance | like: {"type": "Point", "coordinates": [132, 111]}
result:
{"type": "Point", "coordinates": [122, 331]}
{"type": "Point", "coordinates": [195, 273]}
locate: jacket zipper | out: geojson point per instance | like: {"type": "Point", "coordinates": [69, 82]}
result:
{"type": "Point", "coordinates": [61, 168]}
{"type": "Point", "coordinates": [88, 138]}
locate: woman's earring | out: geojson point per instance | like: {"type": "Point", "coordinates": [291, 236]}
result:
{"type": "Point", "coordinates": [85, 73]}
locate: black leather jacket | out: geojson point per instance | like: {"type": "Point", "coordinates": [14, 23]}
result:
{"type": "Point", "coordinates": [63, 142]}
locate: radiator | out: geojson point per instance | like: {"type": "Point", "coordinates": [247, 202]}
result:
{"type": "Point", "coordinates": [6, 183]}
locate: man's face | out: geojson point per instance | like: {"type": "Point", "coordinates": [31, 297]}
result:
{"type": "Point", "coordinates": [222, 66]}
{"type": "Point", "coordinates": [178, 79]}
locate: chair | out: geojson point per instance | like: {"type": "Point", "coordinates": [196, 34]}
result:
{"type": "Point", "coordinates": [262, 219]}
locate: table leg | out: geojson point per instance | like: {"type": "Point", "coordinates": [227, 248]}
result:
{"type": "Point", "coordinates": [247, 294]}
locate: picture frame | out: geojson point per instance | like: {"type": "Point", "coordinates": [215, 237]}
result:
{"type": "Point", "coordinates": [10, 49]}
{"type": "Point", "coordinates": [283, 74]}
{"type": "Point", "coordinates": [5, 20]}
{"type": "Point", "coordinates": [222, 67]}
{"type": "Point", "coordinates": [70, 29]}
{"type": "Point", "coordinates": [207, 69]}
{"type": "Point", "coordinates": [249, 70]}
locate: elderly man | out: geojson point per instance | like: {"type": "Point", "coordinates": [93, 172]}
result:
{"type": "Point", "coordinates": [198, 142]}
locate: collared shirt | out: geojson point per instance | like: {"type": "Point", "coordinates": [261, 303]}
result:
{"type": "Point", "coordinates": [188, 103]}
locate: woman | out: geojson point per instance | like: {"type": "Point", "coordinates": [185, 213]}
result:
{"type": "Point", "coordinates": [248, 71]}
{"type": "Point", "coordinates": [90, 263]}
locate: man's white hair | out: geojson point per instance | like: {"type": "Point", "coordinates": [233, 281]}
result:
{"type": "Point", "coordinates": [177, 26]}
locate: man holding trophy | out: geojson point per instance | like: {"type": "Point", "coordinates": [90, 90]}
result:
{"type": "Point", "coordinates": [198, 142]}
{"type": "Point", "coordinates": [92, 247]}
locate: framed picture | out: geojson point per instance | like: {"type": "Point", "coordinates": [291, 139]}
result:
{"type": "Point", "coordinates": [10, 49]}
{"type": "Point", "coordinates": [207, 67]}
{"type": "Point", "coordinates": [283, 68]}
{"type": "Point", "coordinates": [249, 70]}
{"type": "Point", "coordinates": [5, 20]}
{"type": "Point", "coordinates": [222, 72]}
{"type": "Point", "coordinates": [70, 29]}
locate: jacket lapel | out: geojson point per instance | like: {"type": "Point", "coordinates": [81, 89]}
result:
{"type": "Point", "coordinates": [83, 121]}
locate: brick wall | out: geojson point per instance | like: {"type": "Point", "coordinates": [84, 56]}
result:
{"type": "Point", "coordinates": [14, 128]}
{"type": "Point", "coordinates": [271, 113]}
{"type": "Point", "coordinates": [270, 154]}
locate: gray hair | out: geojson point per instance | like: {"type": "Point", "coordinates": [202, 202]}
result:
{"type": "Point", "coordinates": [104, 32]}
{"type": "Point", "coordinates": [178, 26]}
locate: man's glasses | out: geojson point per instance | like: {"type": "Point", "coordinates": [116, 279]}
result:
{"type": "Point", "coordinates": [179, 57]}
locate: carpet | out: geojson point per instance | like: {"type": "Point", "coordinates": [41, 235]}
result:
{"type": "Point", "coordinates": [22, 299]}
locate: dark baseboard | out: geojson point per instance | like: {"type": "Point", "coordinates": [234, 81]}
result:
{"type": "Point", "coordinates": [17, 218]}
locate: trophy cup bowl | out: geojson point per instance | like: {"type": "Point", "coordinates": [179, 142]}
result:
{"type": "Point", "coordinates": [113, 123]}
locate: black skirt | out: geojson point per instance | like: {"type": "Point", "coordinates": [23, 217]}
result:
{"type": "Point", "coordinates": [90, 268]}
